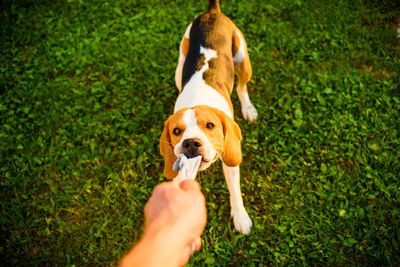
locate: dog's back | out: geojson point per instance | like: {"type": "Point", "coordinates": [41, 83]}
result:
{"type": "Point", "coordinates": [212, 30]}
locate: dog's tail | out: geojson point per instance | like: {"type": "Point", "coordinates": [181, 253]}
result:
{"type": "Point", "coordinates": [213, 5]}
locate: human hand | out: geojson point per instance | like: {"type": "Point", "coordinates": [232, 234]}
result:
{"type": "Point", "coordinates": [177, 212]}
{"type": "Point", "coordinates": [175, 217]}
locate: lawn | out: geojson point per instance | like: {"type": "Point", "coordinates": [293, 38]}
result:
{"type": "Point", "coordinates": [85, 88]}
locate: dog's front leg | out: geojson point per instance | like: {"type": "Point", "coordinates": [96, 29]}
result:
{"type": "Point", "coordinates": [241, 219]}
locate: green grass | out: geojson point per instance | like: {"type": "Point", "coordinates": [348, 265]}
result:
{"type": "Point", "coordinates": [87, 85]}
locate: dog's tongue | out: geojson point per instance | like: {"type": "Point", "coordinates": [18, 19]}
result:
{"type": "Point", "coordinates": [187, 167]}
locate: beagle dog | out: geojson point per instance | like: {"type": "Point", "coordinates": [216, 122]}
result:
{"type": "Point", "coordinates": [212, 50]}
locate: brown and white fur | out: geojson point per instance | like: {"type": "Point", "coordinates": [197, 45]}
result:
{"type": "Point", "coordinates": [212, 50]}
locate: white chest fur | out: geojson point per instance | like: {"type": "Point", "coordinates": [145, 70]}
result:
{"type": "Point", "coordinates": [197, 92]}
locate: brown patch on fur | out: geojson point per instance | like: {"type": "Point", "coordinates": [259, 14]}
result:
{"type": "Point", "coordinates": [168, 141]}
{"type": "Point", "coordinates": [185, 46]}
{"type": "Point", "coordinates": [235, 43]}
{"type": "Point", "coordinates": [243, 69]}
{"type": "Point", "coordinates": [201, 62]}
{"type": "Point", "coordinates": [232, 154]}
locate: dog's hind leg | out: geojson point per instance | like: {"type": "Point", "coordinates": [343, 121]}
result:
{"type": "Point", "coordinates": [243, 70]}
{"type": "Point", "coordinates": [183, 50]}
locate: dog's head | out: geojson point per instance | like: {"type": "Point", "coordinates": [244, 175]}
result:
{"type": "Point", "coordinates": [204, 131]}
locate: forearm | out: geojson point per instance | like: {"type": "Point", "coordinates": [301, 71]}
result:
{"type": "Point", "coordinates": [161, 249]}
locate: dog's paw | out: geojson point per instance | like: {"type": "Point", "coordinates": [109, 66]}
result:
{"type": "Point", "coordinates": [249, 112]}
{"type": "Point", "coordinates": [242, 221]}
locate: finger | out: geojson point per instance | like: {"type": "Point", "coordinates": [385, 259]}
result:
{"type": "Point", "coordinates": [197, 243]}
{"type": "Point", "coordinates": [186, 256]}
{"type": "Point", "coordinates": [189, 185]}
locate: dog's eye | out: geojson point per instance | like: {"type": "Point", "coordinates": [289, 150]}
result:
{"type": "Point", "coordinates": [177, 131]}
{"type": "Point", "coordinates": [210, 125]}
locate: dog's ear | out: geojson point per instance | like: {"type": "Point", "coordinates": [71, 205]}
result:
{"type": "Point", "coordinates": [232, 153]}
{"type": "Point", "coordinates": [167, 150]}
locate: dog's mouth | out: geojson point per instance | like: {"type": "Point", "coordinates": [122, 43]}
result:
{"type": "Point", "coordinates": [205, 161]}
{"type": "Point", "coordinates": [190, 156]}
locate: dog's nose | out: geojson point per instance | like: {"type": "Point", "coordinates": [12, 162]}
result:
{"type": "Point", "coordinates": [191, 144]}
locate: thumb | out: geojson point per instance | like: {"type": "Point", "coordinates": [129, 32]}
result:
{"type": "Point", "coordinates": [189, 185]}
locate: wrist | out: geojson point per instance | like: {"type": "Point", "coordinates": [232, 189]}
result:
{"type": "Point", "coordinates": [166, 238]}
{"type": "Point", "coordinates": [154, 249]}
{"type": "Point", "coordinates": [159, 247]}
